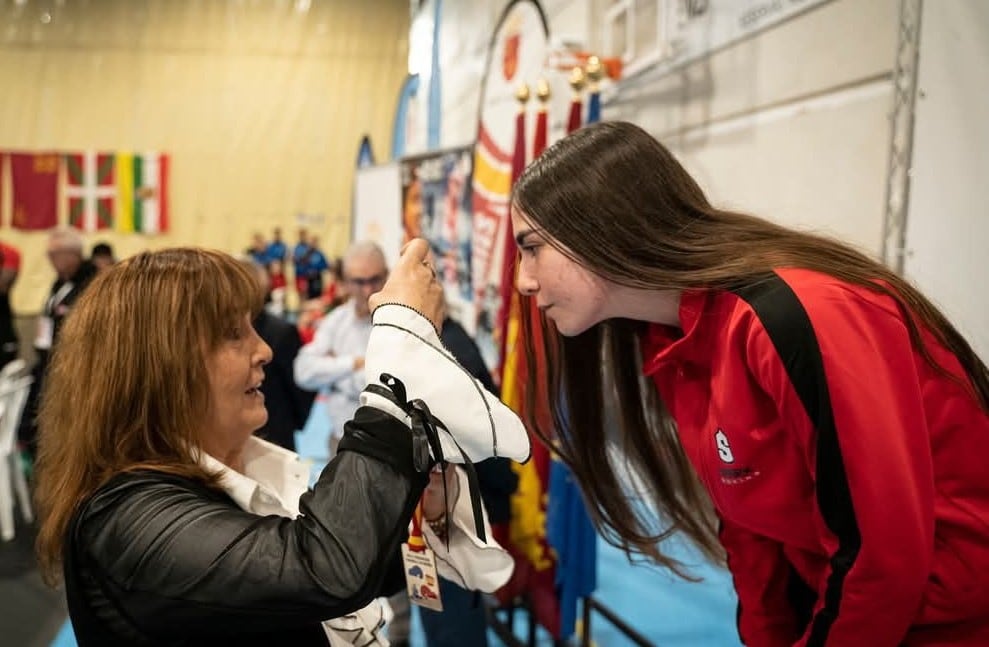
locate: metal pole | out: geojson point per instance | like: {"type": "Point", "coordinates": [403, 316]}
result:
{"type": "Point", "coordinates": [901, 134]}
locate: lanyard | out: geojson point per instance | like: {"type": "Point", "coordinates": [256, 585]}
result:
{"type": "Point", "coordinates": [416, 543]}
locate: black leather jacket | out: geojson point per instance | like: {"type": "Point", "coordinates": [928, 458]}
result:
{"type": "Point", "coordinates": [155, 559]}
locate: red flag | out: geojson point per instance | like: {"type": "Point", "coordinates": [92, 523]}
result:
{"type": "Point", "coordinates": [163, 173]}
{"type": "Point", "coordinates": [508, 293]}
{"type": "Point", "coordinates": [535, 567]}
{"type": "Point", "coordinates": [527, 308]}
{"type": "Point", "coordinates": [556, 563]}
{"type": "Point", "coordinates": [573, 121]}
{"type": "Point", "coordinates": [34, 189]}
{"type": "Point", "coordinates": [539, 141]}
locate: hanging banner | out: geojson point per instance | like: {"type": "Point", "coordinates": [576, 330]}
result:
{"type": "Point", "coordinates": [437, 206]}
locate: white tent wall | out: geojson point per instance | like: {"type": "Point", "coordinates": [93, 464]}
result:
{"type": "Point", "coordinates": [947, 228]}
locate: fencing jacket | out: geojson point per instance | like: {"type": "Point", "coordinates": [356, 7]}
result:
{"type": "Point", "coordinates": [838, 460]}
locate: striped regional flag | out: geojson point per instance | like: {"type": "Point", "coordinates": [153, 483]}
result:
{"type": "Point", "coordinates": [91, 190]}
{"type": "Point", "coordinates": [142, 187]}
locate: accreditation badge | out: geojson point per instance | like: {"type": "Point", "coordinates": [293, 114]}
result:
{"type": "Point", "coordinates": [421, 581]}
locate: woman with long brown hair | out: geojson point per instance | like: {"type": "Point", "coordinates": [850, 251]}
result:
{"type": "Point", "coordinates": [788, 402]}
{"type": "Point", "coordinates": [170, 523]}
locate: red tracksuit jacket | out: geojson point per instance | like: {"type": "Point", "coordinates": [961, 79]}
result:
{"type": "Point", "coordinates": [833, 452]}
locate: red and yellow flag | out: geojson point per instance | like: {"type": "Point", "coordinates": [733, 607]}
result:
{"type": "Point", "coordinates": [535, 573]}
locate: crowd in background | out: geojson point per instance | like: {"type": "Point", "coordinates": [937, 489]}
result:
{"type": "Point", "coordinates": [304, 268]}
{"type": "Point", "coordinates": [317, 281]}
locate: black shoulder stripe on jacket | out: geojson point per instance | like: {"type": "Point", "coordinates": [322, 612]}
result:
{"type": "Point", "coordinates": [789, 327]}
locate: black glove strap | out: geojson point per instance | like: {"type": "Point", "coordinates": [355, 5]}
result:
{"type": "Point", "coordinates": [376, 434]}
{"type": "Point", "coordinates": [425, 439]}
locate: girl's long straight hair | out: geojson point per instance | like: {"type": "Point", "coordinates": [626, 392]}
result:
{"type": "Point", "coordinates": [614, 200]}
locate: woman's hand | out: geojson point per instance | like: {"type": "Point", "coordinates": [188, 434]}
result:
{"type": "Point", "coordinates": [433, 504]}
{"type": "Point", "coordinates": [413, 283]}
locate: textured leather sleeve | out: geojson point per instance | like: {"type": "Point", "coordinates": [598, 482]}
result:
{"type": "Point", "coordinates": [175, 560]}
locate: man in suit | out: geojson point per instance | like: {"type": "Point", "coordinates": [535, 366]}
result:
{"type": "Point", "coordinates": [73, 273]}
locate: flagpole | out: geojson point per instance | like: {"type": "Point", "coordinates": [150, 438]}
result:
{"type": "Point", "coordinates": [577, 82]}
{"type": "Point", "coordinates": [525, 306]}
{"type": "Point", "coordinates": [594, 71]}
{"type": "Point", "coordinates": [543, 95]}
{"type": "Point", "coordinates": [508, 294]}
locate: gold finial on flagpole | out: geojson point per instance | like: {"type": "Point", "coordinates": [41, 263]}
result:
{"type": "Point", "coordinates": [522, 94]}
{"type": "Point", "coordinates": [542, 91]}
{"type": "Point", "coordinates": [577, 79]}
{"type": "Point", "coordinates": [594, 71]}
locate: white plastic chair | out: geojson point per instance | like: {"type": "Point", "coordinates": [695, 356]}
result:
{"type": "Point", "coordinates": [13, 398]}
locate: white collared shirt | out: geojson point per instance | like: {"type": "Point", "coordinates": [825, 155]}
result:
{"type": "Point", "coordinates": [326, 363]}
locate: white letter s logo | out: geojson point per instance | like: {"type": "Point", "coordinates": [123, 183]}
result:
{"type": "Point", "coordinates": [724, 449]}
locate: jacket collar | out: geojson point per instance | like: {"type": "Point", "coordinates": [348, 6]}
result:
{"type": "Point", "coordinates": [662, 344]}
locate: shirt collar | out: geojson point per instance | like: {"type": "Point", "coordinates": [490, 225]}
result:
{"type": "Point", "coordinates": [268, 469]}
{"type": "Point", "coordinates": [358, 319]}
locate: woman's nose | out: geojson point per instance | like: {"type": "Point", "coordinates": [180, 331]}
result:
{"type": "Point", "coordinates": [264, 352]}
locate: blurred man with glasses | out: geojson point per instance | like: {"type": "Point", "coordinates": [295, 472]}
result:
{"type": "Point", "coordinates": [333, 362]}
